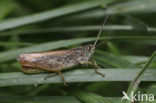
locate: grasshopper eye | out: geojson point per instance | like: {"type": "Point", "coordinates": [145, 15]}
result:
{"type": "Point", "coordinates": [90, 47]}
{"type": "Point", "coordinates": [87, 48]}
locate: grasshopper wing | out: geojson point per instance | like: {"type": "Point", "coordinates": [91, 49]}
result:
{"type": "Point", "coordinates": [50, 61]}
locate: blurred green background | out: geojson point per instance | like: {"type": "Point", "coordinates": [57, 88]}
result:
{"type": "Point", "coordinates": [39, 25]}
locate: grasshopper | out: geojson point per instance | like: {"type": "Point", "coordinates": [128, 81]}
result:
{"type": "Point", "coordinates": [56, 61]}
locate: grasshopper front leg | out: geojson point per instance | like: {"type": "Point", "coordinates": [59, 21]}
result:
{"type": "Point", "coordinates": [95, 66]}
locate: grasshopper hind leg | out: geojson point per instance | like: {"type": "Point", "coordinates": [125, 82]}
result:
{"type": "Point", "coordinates": [61, 75]}
{"type": "Point", "coordinates": [32, 70]}
{"type": "Point", "coordinates": [53, 74]}
{"type": "Point", "coordinates": [49, 75]}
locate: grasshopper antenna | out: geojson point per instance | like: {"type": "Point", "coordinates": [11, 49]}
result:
{"type": "Point", "coordinates": [107, 40]}
{"type": "Point", "coordinates": [100, 32]}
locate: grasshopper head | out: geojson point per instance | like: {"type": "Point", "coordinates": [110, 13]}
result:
{"type": "Point", "coordinates": [89, 50]}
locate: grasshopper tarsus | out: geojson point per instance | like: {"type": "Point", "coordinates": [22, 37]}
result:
{"type": "Point", "coordinates": [97, 67]}
{"type": "Point", "coordinates": [61, 75]}
{"type": "Point", "coordinates": [99, 72]}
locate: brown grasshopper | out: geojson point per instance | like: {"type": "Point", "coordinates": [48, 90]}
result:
{"type": "Point", "coordinates": [56, 61]}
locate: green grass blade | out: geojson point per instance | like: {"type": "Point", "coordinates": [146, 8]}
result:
{"type": "Point", "coordinates": [8, 24]}
{"type": "Point", "coordinates": [75, 28]}
{"type": "Point", "coordinates": [85, 75]}
{"type": "Point", "coordinates": [6, 7]}
{"type": "Point", "coordinates": [123, 7]}
{"type": "Point", "coordinates": [136, 59]}
{"type": "Point", "coordinates": [148, 102]}
{"type": "Point", "coordinates": [111, 60]}
{"type": "Point", "coordinates": [135, 83]}
{"type": "Point", "coordinates": [132, 6]}
{"type": "Point", "coordinates": [38, 99]}
{"type": "Point", "coordinates": [112, 48]}
{"type": "Point", "coordinates": [152, 89]}
{"type": "Point", "coordinates": [90, 97]}
{"type": "Point", "coordinates": [8, 44]}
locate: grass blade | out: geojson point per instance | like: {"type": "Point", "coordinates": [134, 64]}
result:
{"type": "Point", "coordinates": [111, 60]}
{"type": "Point", "coordinates": [85, 75]}
{"type": "Point", "coordinates": [132, 6]}
{"type": "Point", "coordinates": [6, 7]}
{"type": "Point", "coordinates": [39, 99]}
{"type": "Point", "coordinates": [8, 44]}
{"type": "Point", "coordinates": [136, 59]}
{"type": "Point", "coordinates": [8, 24]}
{"type": "Point", "coordinates": [90, 97]}
{"type": "Point", "coordinates": [75, 28]}
{"type": "Point", "coordinates": [135, 83]}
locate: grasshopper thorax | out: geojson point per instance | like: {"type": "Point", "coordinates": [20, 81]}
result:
{"type": "Point", "coordinates": [83, 54]}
